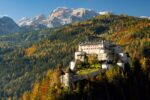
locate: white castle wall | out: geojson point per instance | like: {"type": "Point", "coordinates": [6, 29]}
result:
{"type": "Point", "coordinates": [93, 48]}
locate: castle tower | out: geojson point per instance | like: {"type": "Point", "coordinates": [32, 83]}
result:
{"type": "Point", "coordinates": [68, 78]}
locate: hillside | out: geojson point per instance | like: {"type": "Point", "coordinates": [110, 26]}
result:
{"type": "Point", "coordinates": [33, 53]}
{"type": "Point", "coordinates": [133, 84]}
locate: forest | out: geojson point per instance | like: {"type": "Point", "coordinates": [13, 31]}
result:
{"type": "Point", "coordinates": [28, 61]}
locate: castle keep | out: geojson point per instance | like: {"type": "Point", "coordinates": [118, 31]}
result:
{"type": "Point", "coordinates": [98, 48]}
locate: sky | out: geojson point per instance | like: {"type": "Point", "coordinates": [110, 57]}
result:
{"type": "Point", "coordinates": [17, 9]}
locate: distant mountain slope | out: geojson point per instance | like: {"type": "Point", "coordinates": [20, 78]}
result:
{"type": "Point", "coordinates": [58, 17]}
{"type": "Point", "coordinates": [21, 66]}
{"type": "Point", "coordinates": [7, 25]}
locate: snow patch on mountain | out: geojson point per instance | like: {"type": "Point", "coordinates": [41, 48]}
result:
{"type": "Point", "coordinates": [25, 21]}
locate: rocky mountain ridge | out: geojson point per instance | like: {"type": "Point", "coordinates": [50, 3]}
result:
{"type": "Point", "coordinates": [59, 16]}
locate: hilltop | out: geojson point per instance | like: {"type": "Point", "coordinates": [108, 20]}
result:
{"type": "Point", "coordinates": [34, 53]}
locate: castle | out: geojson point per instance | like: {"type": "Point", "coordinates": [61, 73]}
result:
{"type": "Point", "coordinates": [98, 48]}
{"type": "Point", "coordinates": [105, 52]}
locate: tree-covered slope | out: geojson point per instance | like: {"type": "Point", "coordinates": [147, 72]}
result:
{"type": "Point", "coordinates": [29, 57]}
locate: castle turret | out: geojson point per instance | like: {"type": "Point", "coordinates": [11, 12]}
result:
{"type": "Point", "coordinates": [67, 78]}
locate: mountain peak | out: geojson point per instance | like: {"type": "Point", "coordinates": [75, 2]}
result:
{"type": "Point", "coordinates": [60, 8]}
{"type": "Point", "coordinates": [59, 16]}
{"type": "Point", "coordinates": [24, 18]}
{"type": "Point", "coordinates": [40, 17]}
{"type": "Point", "coordinates": [7, 25]}
{"type": "Point", "coordinates": [5, 17]}
{"type": "Point", "coordinates": [63, 15]}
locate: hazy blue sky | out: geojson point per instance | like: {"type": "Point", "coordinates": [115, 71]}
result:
{"type": "Point", "coordinates": [20, 8]}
